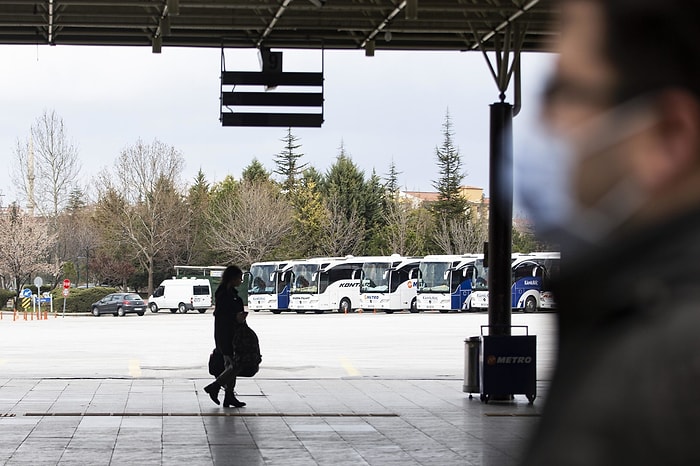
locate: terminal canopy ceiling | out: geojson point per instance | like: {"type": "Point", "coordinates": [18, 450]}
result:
{"type": "Point", "coordinates": [308, 24]}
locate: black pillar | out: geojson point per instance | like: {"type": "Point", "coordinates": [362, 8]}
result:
{"type": "Point", "coordinates": [500, 217]}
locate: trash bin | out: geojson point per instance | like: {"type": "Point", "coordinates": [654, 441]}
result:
{"type": "Point", "coordinates": [508, 365]}
{"type": "Point", "coordinates": [472, 348]}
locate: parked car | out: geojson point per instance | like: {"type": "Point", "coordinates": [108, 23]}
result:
{"type": "Point", "coordinates": [119, 304]}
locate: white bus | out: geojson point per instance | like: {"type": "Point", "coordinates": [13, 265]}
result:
{"type": "Point", "coordinates": [326, 284]}
{"type": "Point", "coordinates": [263, 292]}
{"type": "Point", "coordinates": [531, 276]}
{"type": "Point", "coordinates": [389, 284]}
{"type": "Point", "coordinates": [445, 281]}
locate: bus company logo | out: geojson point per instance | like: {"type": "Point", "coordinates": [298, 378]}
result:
{"type": "Point", "coordinates": [530, 283]}
{"type": "Point", "coordinates": [493, 360]}
{"type": "Point", "coordinates": [348, 285]}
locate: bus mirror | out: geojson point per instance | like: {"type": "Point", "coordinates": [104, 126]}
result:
{"type": "Point", "coordinates": [385, 274]}
{"type": "Point", "coordinates": [446, 274]}
{"type": "Point", "coordinates": [313, 276]}
{"type": "Point", "coordinates": [272, 276]}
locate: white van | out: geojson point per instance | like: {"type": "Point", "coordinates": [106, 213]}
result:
{"type": "Point", "coordinates": [181, 295]}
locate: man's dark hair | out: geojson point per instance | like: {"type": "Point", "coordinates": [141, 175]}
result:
{"type": "Point", "coordinates": [653, 44]}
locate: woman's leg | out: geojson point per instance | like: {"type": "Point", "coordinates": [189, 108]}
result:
{"type": "Point", "coordinates": [230, 397]}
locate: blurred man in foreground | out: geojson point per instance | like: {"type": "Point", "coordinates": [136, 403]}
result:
{"type": "Point", "coordinates": [623, 110]}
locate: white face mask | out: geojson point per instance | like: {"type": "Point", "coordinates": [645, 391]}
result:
{"type": "Point", "coordinates": [545, 164]}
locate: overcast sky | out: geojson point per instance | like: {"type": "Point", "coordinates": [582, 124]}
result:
{"type": "Point", "coordinates": [390, 106]}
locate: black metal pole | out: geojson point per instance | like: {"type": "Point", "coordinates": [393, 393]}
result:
{"type": "Point", "coordinates": [500, 217]}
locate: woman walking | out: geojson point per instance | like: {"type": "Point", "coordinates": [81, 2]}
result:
{"type": "Point", "coordinates": [229, 314]}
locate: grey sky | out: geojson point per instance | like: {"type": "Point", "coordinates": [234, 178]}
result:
{"type": "Point", "coordinates": [390, 106]}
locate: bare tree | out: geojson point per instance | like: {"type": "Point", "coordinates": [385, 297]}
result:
{"type": "Point", "coordinates": [141, 203]}
{"type": "Point", "coordinates": [26, 244]}
{"type": "Point", "coordinates": [407, 228]}
{"type": "Point", "coordinates": [247, 226]}
{"type": "Point", "coordinates": [47, 166]}
{"type": "Point", "coordinates": [343, 232]}
{"type": "Point", "coordinates": [461, 235]}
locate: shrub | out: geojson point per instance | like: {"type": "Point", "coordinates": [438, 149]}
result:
{"type": "Point", "coordinates": [79, 299]}
{"type": "Point", "coordinates": [6, 295]}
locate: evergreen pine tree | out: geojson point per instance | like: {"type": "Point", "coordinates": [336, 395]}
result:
{"type": "Point", "coordinates": [287, 162]}
{"type": "Point", "coordinates": [450, 201]}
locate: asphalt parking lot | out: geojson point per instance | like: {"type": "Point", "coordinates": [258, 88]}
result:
{"type": "Point", "coordinates": [403, 345]}
{"type": "Point", "coordinates": [357, 390]}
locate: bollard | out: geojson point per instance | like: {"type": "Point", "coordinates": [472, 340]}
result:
{"type": "Point", "coordinates": [14, 315]}
{"type": "Point", "coordinates": [375, 310]}
{"type": "Point", "coordinates": [46, 315]}
{"type": "Point", "coordinates": [25, 315]}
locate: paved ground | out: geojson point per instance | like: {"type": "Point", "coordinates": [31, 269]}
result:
{"type": "Point", "coordinates": [342, 407]}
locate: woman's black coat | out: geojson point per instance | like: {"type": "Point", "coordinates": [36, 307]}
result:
{"type": "Point", "coordinates": [228, 305]}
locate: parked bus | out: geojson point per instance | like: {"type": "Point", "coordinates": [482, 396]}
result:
{"type": "Point", "coordinates": [263, 292]}
{"type": "Point", "coordinates": [531, 276]}
{"type": "Point", "coordinates": [389, 284]}
{"type": "Point", "coordinates": [326, 284]}
{"type": "Point", "coordinates": [445, 281]}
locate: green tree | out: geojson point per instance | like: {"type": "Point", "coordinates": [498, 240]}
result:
{"type": "Point", "coordinates": [374, 210]}
{"type": "Point", "coordinates": [198, 200]}
{"type": "Point", "coordinates": [287, 162]}
{"type": "Point", "coordinates": [310, 215]}
{"type": "Point", "coordinates": [450, 201]}
{"type": "Point", "coordinates": [392, 181]}
{"type": "Point", "coordinates": [345, 184]}
{"type": "Point", "coordinates": [255, 173]}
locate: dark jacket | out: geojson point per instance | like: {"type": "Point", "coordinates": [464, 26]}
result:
{"type": "Point", "coordinates": [626, 389]}
{"type": "Point", "coordinates": [228, 305]}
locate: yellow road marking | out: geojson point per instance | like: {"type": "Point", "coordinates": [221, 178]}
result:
{"type": "Point", "coordinates": [134, 368]}
{"type": "Point", "coordinates": [349, 368]}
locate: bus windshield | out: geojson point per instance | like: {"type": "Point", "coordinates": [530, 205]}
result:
{"type": "Point", "coordinates": [261, 281]}
{"type": "Point", "coordinates": [375, 277]}
{"type": "Point", "coordinates": [433, 277]}
{"type": "Point", "coordinates": [305, 278]}
{"type": "Point", "coordinates": [480, 281]}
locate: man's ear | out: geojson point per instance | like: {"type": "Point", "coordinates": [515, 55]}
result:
{"type": "Point", "coordinates": [673, 150]}
{"type": "Point", "coordinates": [680, 128]}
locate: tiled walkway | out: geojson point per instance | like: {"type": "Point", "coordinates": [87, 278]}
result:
{"type": "Point", "coordinates": [353, 421]}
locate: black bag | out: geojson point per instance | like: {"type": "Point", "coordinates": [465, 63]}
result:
{"type": "Point", "coordinates": [246, 351]}
{"type": "Point", "coordinates": [216, 363]}
{"type": "Point", "coordinates": [246, 354]}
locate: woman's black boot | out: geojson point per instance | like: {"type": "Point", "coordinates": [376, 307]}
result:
{"type": "Point", "coordinates": [213, 390]}
{"type": "Point", "coordinates": [231, 400]}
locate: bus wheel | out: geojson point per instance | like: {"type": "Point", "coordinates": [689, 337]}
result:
{"type": "Point", "coordinates": [530, 304]}
{"type": "Point", "coordinates": [344, 306]}
{"type": "Point", "coordinates": [182, 308]}
{"type": "Point", "coordinates": [389, 311]}
{"type": "Point", "coordinates": [414, 306]}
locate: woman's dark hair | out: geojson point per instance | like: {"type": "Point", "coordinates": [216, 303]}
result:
{"type": "Point", "coordinates": [653, 44]}
{"type": "Point", "coordinates": [230, 273]}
